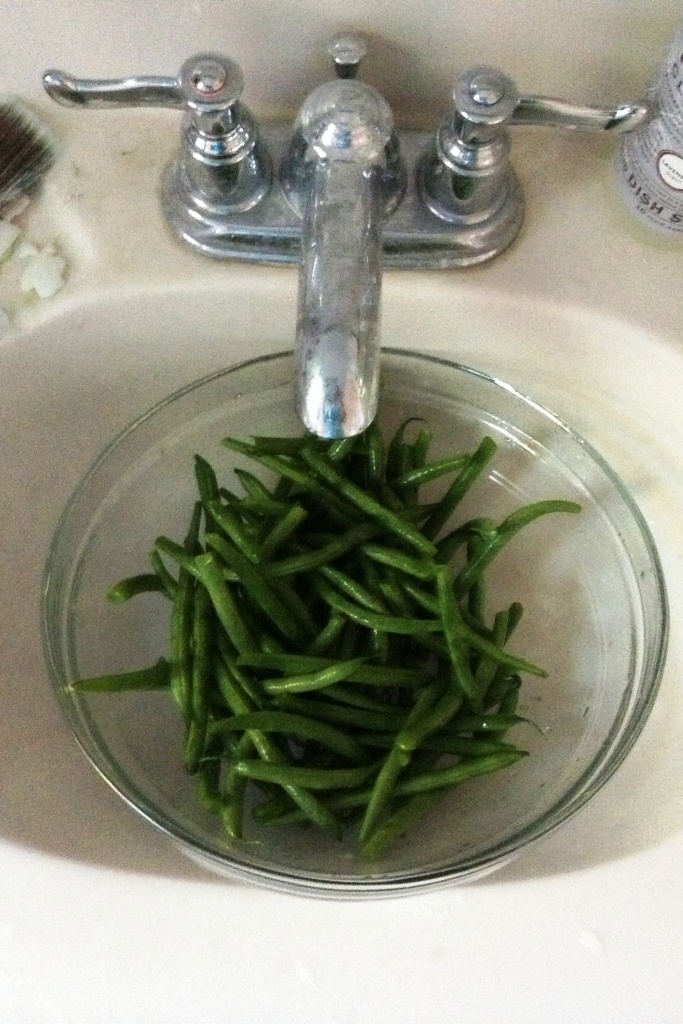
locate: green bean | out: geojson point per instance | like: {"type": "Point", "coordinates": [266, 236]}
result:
{"type": "Point", "coordinates": [385, 623]}
{"type": "Point", "coordinates": [282, 531]}
{"type": "Point", "coordinates": [235, 788]}
{"type": "Point", "coordinates": [295, 725]}
{"type": "Point", "coordinates": [234, 529]}
{"type": "Point", "coordinates": [156, 677]}
{"type": "Point", "coordinates": [508, 528]}
{"type": "Point", "coordinates": [399, 757]}
{"type": "Point", "coordinates": [277, 445]}
{"type": "Point", "coordinates": [255, 489]}
{"type": "Point", "coordinates": [372, 675]}
{"type": "Point", "coordinates": [341, 448]}
{"type": "Point", "coordinates": [453, 775]}
{"type": "Point", "coordinates": [180, 643]}
{"type": "Point", "coordinates": [421, 446]}
{"type": "Point", "coordinates": [459, 488]}
{"type": "Point", "coordinates": [368, 505]}
{"type": "Point", "coordinates": [458, 746]}
{"type": "Point", "coordinates": [329, 633]}
{"type": "Point", "coordinates": [307, 681]}
{"type": "Point", "coordinates": [398, 452]}
{"type": "Point", "coordinates": [303, 478]}
{"type": "Point", "coordinates": [144, 583]}
{"type": "Point", "coordinates": [488, 666]}
{"type": "Point", "coordinates": [376, 454]}
{"type": "Point", "coordinates": [337, 714]}
{"type": "Point", "coordinates": [307, 778]}
{"type": "Point", "coordinates": [176, 551]}
{"type": "Point", "coordinates": [202, 661]}
{"type": "Point", "coordinates": [419, 568]}
{"type": "Point", "coordinates": [354, 590]}
{"type": "Point", "coordinates": [208, 784]}
{"type": "Point", "coordinates": [422, 474]}
{"type": "Point", "coordinates": [447, 546]}
{"type": "Point", "coordinates": [453, 631]}
{"type": "Point", "coordinates": [314, 810]}
{"type": "Point", "coordinates": [309, 560]}
{"type": "Point", "coordinates": [167, 580]}
{"type": "Point", "coordinates": [208, 571]}
{"type": "Point", "coordinates": [207, 484]}
{"type": "Point", "coordinates": [399, 823]}
{"type": "Point", "coordinates": [263, 595]}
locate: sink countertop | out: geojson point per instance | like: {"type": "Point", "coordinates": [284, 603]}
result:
{"type": "Point", "coordinates": [102, 919]}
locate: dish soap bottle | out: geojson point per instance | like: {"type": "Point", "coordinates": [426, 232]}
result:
{"type": "Point", "coordinates": [650, 165]}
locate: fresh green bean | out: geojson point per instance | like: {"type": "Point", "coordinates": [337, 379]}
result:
{"type": "Point", "coordinates": [307, 778]}
{"type": "Point", "coordinates": [368, 505]}
{"type": "Point", "coordinates": [385, 623]}
{"type": "Point", "coordinates": [144, 583]}
{"type": "Point", "coordinates": [459, 488]}
{"type": "Point", "coordinates": [338, 714]}
{"type": "Point", "coordinates": [305, 682]}
{"type": "Point", "coordinates": [352, 588]}
{"type": "Point", "coordinates": [156, 677]}
{"type": "Point", "coordinates": [512, 525]}
{"type": "Point", "coordinates": [282, 531]}
{"type": "Point", "coordinates": [314, 810]}
{"type": "Point", "coordinates": [398, 758]}
{"type": "Point", "coordinates": [264, 595]}
{"type": "Point", "coordinates": [167, 580]}
{"type": "Point", "coordinates": [421, 569]}
{"type": "Point", "coordinates": [294, 725]}
{"type": "Point", "coordinates": [398, 823]}
{"type": "Point", "coordinates": [422, 474]}
{"type": "Point", "coordinates": [202, 662]}
{"type": "Point", "coordinates": [208, 572]}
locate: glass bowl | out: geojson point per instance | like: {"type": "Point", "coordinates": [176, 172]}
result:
{"type": "Point", "coordinates": [591, 585]}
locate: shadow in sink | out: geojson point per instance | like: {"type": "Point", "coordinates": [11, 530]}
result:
{"type": "Point", "coordinates": [67, 388]}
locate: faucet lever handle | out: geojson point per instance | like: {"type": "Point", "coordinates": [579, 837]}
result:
{"type": "Point", "coordinates": [207, 83]}
{"type": "Point", "coordinates": [486, 96]}
{"type": "Point", "coordinates": [222, 167]}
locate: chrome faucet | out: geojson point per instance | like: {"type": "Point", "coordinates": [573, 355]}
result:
{"type": "Point", "coordinates": [343, 174]}
{"type": "Point", "coordinates": [350, 196]}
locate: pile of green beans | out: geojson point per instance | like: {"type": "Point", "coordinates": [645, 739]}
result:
{"type": "Point", "coordinates": [330, 645]}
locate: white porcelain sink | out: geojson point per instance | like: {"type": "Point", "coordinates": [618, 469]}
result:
{"type": "Point", "coordinates": [99, 915]}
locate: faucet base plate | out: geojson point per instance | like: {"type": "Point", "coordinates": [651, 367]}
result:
{"type": "Point", "coordinates": [413, 236]}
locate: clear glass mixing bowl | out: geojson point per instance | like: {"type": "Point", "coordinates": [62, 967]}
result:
{"type": "Point", "coordinates": [595, 618]}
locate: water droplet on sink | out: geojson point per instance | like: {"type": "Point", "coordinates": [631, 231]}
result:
{"type": "Point", "coordinates": [591, 941]}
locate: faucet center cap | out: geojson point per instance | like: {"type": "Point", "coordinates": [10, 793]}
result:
{"type": "Point", "coordinates": [208, 77]}
{"type": "Point", "coordinates": [487, 89]}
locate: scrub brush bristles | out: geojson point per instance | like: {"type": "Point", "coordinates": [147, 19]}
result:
{"type": "Point", "coordinates": [27, 151]}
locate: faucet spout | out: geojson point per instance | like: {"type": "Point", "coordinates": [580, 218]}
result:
{"type": "Point", "coordinates": [345, 128]}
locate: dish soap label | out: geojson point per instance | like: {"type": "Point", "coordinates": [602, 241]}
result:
{"type": "Point", "coordinates": [650, 172]}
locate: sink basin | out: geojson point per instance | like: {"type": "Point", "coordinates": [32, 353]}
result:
{"type": "Point", "coordinates": [583, 314]}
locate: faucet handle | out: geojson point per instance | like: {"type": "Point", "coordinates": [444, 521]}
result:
{"type": "Point", "coordinates": [222, 167]}
{"type": "Point", "coordinates": [207, 83]}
